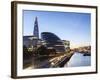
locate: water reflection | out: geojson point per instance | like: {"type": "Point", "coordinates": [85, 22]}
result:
{"type": "Point", "coordinates": [78, 60]}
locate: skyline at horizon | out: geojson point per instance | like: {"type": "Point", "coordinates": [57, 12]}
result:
{"type": "Point", "coordinates": [63, 24]}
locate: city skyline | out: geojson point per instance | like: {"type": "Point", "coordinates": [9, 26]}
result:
{"type": "Point", "coordinates": [74, 27]}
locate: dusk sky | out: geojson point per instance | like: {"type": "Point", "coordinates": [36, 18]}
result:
{"type": "Point", "coordinates": [74, 27]}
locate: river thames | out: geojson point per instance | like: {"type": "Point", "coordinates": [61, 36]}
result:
{"type": "Point", "coordinates": [78, 59]}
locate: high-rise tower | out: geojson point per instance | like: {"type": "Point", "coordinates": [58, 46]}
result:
{"type": "Point", "coordinates": [36, 30]}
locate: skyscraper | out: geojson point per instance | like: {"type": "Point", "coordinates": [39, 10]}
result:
{"type": "Point", "coordinates": [36, 30]}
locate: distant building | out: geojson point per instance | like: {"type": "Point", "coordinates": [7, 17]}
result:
{"type": "Point", "coordinates": [53, 42]}
{"type": "Point", "coordinates": [66, 44]}
{"type": "Point", "coordinates": [31, 42]}
{"type": "Point", "coordinates": [36, 29]}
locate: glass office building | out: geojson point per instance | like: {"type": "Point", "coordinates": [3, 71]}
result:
{"type": "Point", "coordinates": [53, 42]}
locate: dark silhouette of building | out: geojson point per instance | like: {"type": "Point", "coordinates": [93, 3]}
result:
{"type": "Point", "coordinates": [53, 42]}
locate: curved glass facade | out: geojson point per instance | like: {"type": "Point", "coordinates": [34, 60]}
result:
{"type": "Point", "coordinates": [53, 41]}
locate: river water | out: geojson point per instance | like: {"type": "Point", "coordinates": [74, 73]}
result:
{"type": "Point", "coordinates": [78, 60]}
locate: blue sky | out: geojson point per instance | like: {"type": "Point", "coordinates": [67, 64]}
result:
{"type": "Point", "coordinates": [75, 27]}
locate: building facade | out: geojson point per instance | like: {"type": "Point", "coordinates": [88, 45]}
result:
{"type": "Point", "coordinates": [66, 44]}
{"type": "Point", "coordinates": [36, 29]}
{"type": "Point", "coordinates": [53, 42]}
{"type": "Point", "coordinates": [31, 42]}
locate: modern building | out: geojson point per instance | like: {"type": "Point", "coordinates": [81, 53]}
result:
{"type": "Point", "coordinates": [66, 44]}
{"type": "Point", "coordinates": [32, 41]}
{"type": "Point", "coordinates": [53, 42]}
{"type": "Point", "coordinates": [36, 29]}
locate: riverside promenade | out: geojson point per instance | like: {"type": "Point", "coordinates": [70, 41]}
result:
{"type": "Point", "coordinates": [51, 61]}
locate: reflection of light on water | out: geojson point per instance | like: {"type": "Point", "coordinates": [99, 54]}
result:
{"type": "Point", "coordinates": [79, 60]}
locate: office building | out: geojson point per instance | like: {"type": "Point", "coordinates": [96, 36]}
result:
{"type": "Point", "coordinates": [53, 42]}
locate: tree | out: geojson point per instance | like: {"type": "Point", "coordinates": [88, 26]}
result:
{"type": "Point", "coordinates": [25, 52]}
{"type": "Point", "coordinates": [42, 50]}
